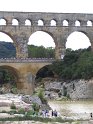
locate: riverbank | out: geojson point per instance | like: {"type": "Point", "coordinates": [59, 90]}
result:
{"type": "Point", "coordinates": [74, 110]}
{"type": "Point", "coordinates": [69, 112]}
{"type": "Point", "coordinates": [38, 122]}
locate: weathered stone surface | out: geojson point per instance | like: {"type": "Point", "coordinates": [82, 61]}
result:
{"type": "Point", "coordinates": [77, 89]}
{"type": "Point", "coordinates": [24, 71]}
{"type": "Point", "coordinates": [21, 33]}
{"type": "Point", "coordinates": [83, 89]}
{"type": "Point", "coordinates": [31, 99]}
{"type": "Point", "coordinates": [56, 86]}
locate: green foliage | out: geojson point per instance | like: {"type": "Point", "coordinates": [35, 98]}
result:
{"type": "Point", "coordinates": [21, 111]}
{"type": "Point", "coordinates": [13, 106]}
{"type": "Point", "coordinates": [40, 52]}
{"type": "Point", "coordinates": [6, 76]}
{"type": "Point", "coordinates": [41, 96]}
{"type": "Point", "coordinates": [14, 90]}
{"type": "Point", "coordinates": [35, 107]}
{"type": "Point", "coordinates": [30, 112]}
{"type": "Point", "coordinates": [75, 65]}
{"type": "Point", "coordinates": [7, 50]}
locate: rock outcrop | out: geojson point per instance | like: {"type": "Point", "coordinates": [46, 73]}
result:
{"type": "Point", "coordinates": [77, 89]}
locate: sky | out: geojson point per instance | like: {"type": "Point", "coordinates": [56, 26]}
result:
{"type": "Point", "coordinates": [59, 6]}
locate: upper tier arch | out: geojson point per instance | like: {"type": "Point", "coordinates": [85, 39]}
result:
{"type": "Point", "coordinates": [20, 33]}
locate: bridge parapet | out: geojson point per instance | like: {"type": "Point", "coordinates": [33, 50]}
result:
{"type": "Point", "coordinates": [26, 60]}
{"type": "Point", "coordinates": [34, 17]}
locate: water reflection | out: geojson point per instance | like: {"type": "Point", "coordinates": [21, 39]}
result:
{"type": "Point", "coordinates": [73, 109]}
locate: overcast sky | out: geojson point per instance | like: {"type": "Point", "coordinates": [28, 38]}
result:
{"type": "Point", "coordinates": [60, 6]}
{"type": "Point", "coordinates": [63, 6]}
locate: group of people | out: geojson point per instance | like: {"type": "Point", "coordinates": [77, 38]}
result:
{"type": "Point", "coordinates": [46, 113]}
{"type": "Point", "coordinates": [54, 113]}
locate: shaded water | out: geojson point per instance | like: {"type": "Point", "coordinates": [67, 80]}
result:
{"type": "Point", "coordinates": [73, 109]}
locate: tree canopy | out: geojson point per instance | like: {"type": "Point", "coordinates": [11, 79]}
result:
{"type": "Point", "coordinates": [75, 65]}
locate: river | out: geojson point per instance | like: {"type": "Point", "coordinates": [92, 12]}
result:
{"type": "Point", "coordinates": [73, 109]}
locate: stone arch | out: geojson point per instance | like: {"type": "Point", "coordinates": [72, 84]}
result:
{"type": "Point", "coordinates": [89, 23]}
{"type": "Point", "coordinates": [53, 22]}
{"type": "Point", "coordinates": [77, 23]}
{"type": "Point", "coordinates": [15, 21]}
{"type": "Point", "coordinates": [40, 22]}
{"type": "Point", "coordinates": [43, 38]}
{"type": "Point", "coordinates": [3, 21]}
{"type": "Point", "coordinates": [28, 22]}
{"type": "Point", "coordinates": [65, 22]}
{"type": "Point", "coordinates": [44, 72]}
{"type": "Point", "coordinates": [84, 42]}
{"type": "Point", "coordinates": [14, 72]}
{"type": "Point", "coordinates": [43, 31]}
{"type": "Point", "coordinates": [8, 44]}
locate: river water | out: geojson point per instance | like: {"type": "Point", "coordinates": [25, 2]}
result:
{"type": "Point", "coordinates": [73, 109]}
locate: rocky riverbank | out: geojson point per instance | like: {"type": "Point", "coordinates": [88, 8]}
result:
{"type": "Point", "coordinates": [76, 89]}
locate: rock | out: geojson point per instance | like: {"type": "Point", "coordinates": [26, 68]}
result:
{"type": "Point", "coordinates": [53, 86]}
{"type": "Point", "coordinates": [82, 89]}
{"type": "Point", "coordinates": [76, 89]}
{"type": "Point", "coordinates": [31, 99]}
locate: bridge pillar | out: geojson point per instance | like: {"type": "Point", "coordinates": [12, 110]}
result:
{"type": "Point", "coordinates": [60, 47]}
{"type": "Point", "coordinates": [26, 85]}
{"type": "Point", "coordinates": [21, 46]}
{"type": "Point", "coordinates": [83, 23]}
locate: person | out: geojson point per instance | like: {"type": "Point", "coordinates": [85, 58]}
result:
{"type": "Point", "coordinates": [52, 113]}
{"type": "Point", "coordinates": [55, 113]}
{"type": "Point", "coordinates": [91, 115]}
{"type": "Point", "coordinates": [46, 113]}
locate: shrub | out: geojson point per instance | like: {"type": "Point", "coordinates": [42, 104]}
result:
{"type": "Point", "coordinates": [35, 107]}
{"type": "Point", "coordinates": [13, 106]}
{"type": "Point", "coordinates": [41, 96]}
{"type": "Point", "coordinates": [21, 111]}
{"type": "Point", "coordinates": [30, 112]}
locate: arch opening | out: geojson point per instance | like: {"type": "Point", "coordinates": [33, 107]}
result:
{"type": "Point", "coordinates": [53, 22]}
{"type": "Point", "coordinates": [40, 22]}
{"type": "Point", "coordinates": [7, 48]}
{"type": "Point", "coordinates": [28, 22]}
{"type": "Point", "coordinates": [77, 23]}
{"type": "Point", "coordinates": [41, 45]}
{"type": "Point", "coordinates": [65, 22]}
{"type": "Point", "coordinates": [77, 40]}
{"type": "Point", "coordinates": [15, 22]}
{"type": "Point", "coordinates": [44, 72]}
{"type": "Point", "coordinates": [2, 21]}
{"type": "Point", "coordinates": [89, 23]}
{"type": "Point", "coordinates": [8, 79]}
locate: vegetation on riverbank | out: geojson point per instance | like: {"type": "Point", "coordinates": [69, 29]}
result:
{"type": "Point", "coordinates": [7, 50]}
{"type": "Point", "coordinates": [75, 65]}
{"type": "Point", "coordinates": [40, 119]}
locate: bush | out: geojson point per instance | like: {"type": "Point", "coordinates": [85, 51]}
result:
{"type": "Point", "coordinates": [12, 112]}
{"type": "Point", "coordinates": [21, 111]}
{"type": "Point", "coordinates": [35, 107]}
{"type": "Point", "coordinates": [75, 65]}
{"type": "Point", "coordinates": [41, 96]}
{"type": "Point", "coordinates": [30, 112]}
{"type": "Point", "coordinates": [13, 106]}
{"type": "Point", "coordinates": [14, 90]}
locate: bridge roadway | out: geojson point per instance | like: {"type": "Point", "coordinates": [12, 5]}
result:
{"type": "Point", "coordinates": [24, 70]}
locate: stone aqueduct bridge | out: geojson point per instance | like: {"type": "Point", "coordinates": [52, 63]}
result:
{"type": "Point", "coordinates": [20, 34]}
{"type": "Point", "coordinates": [24, 71]}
